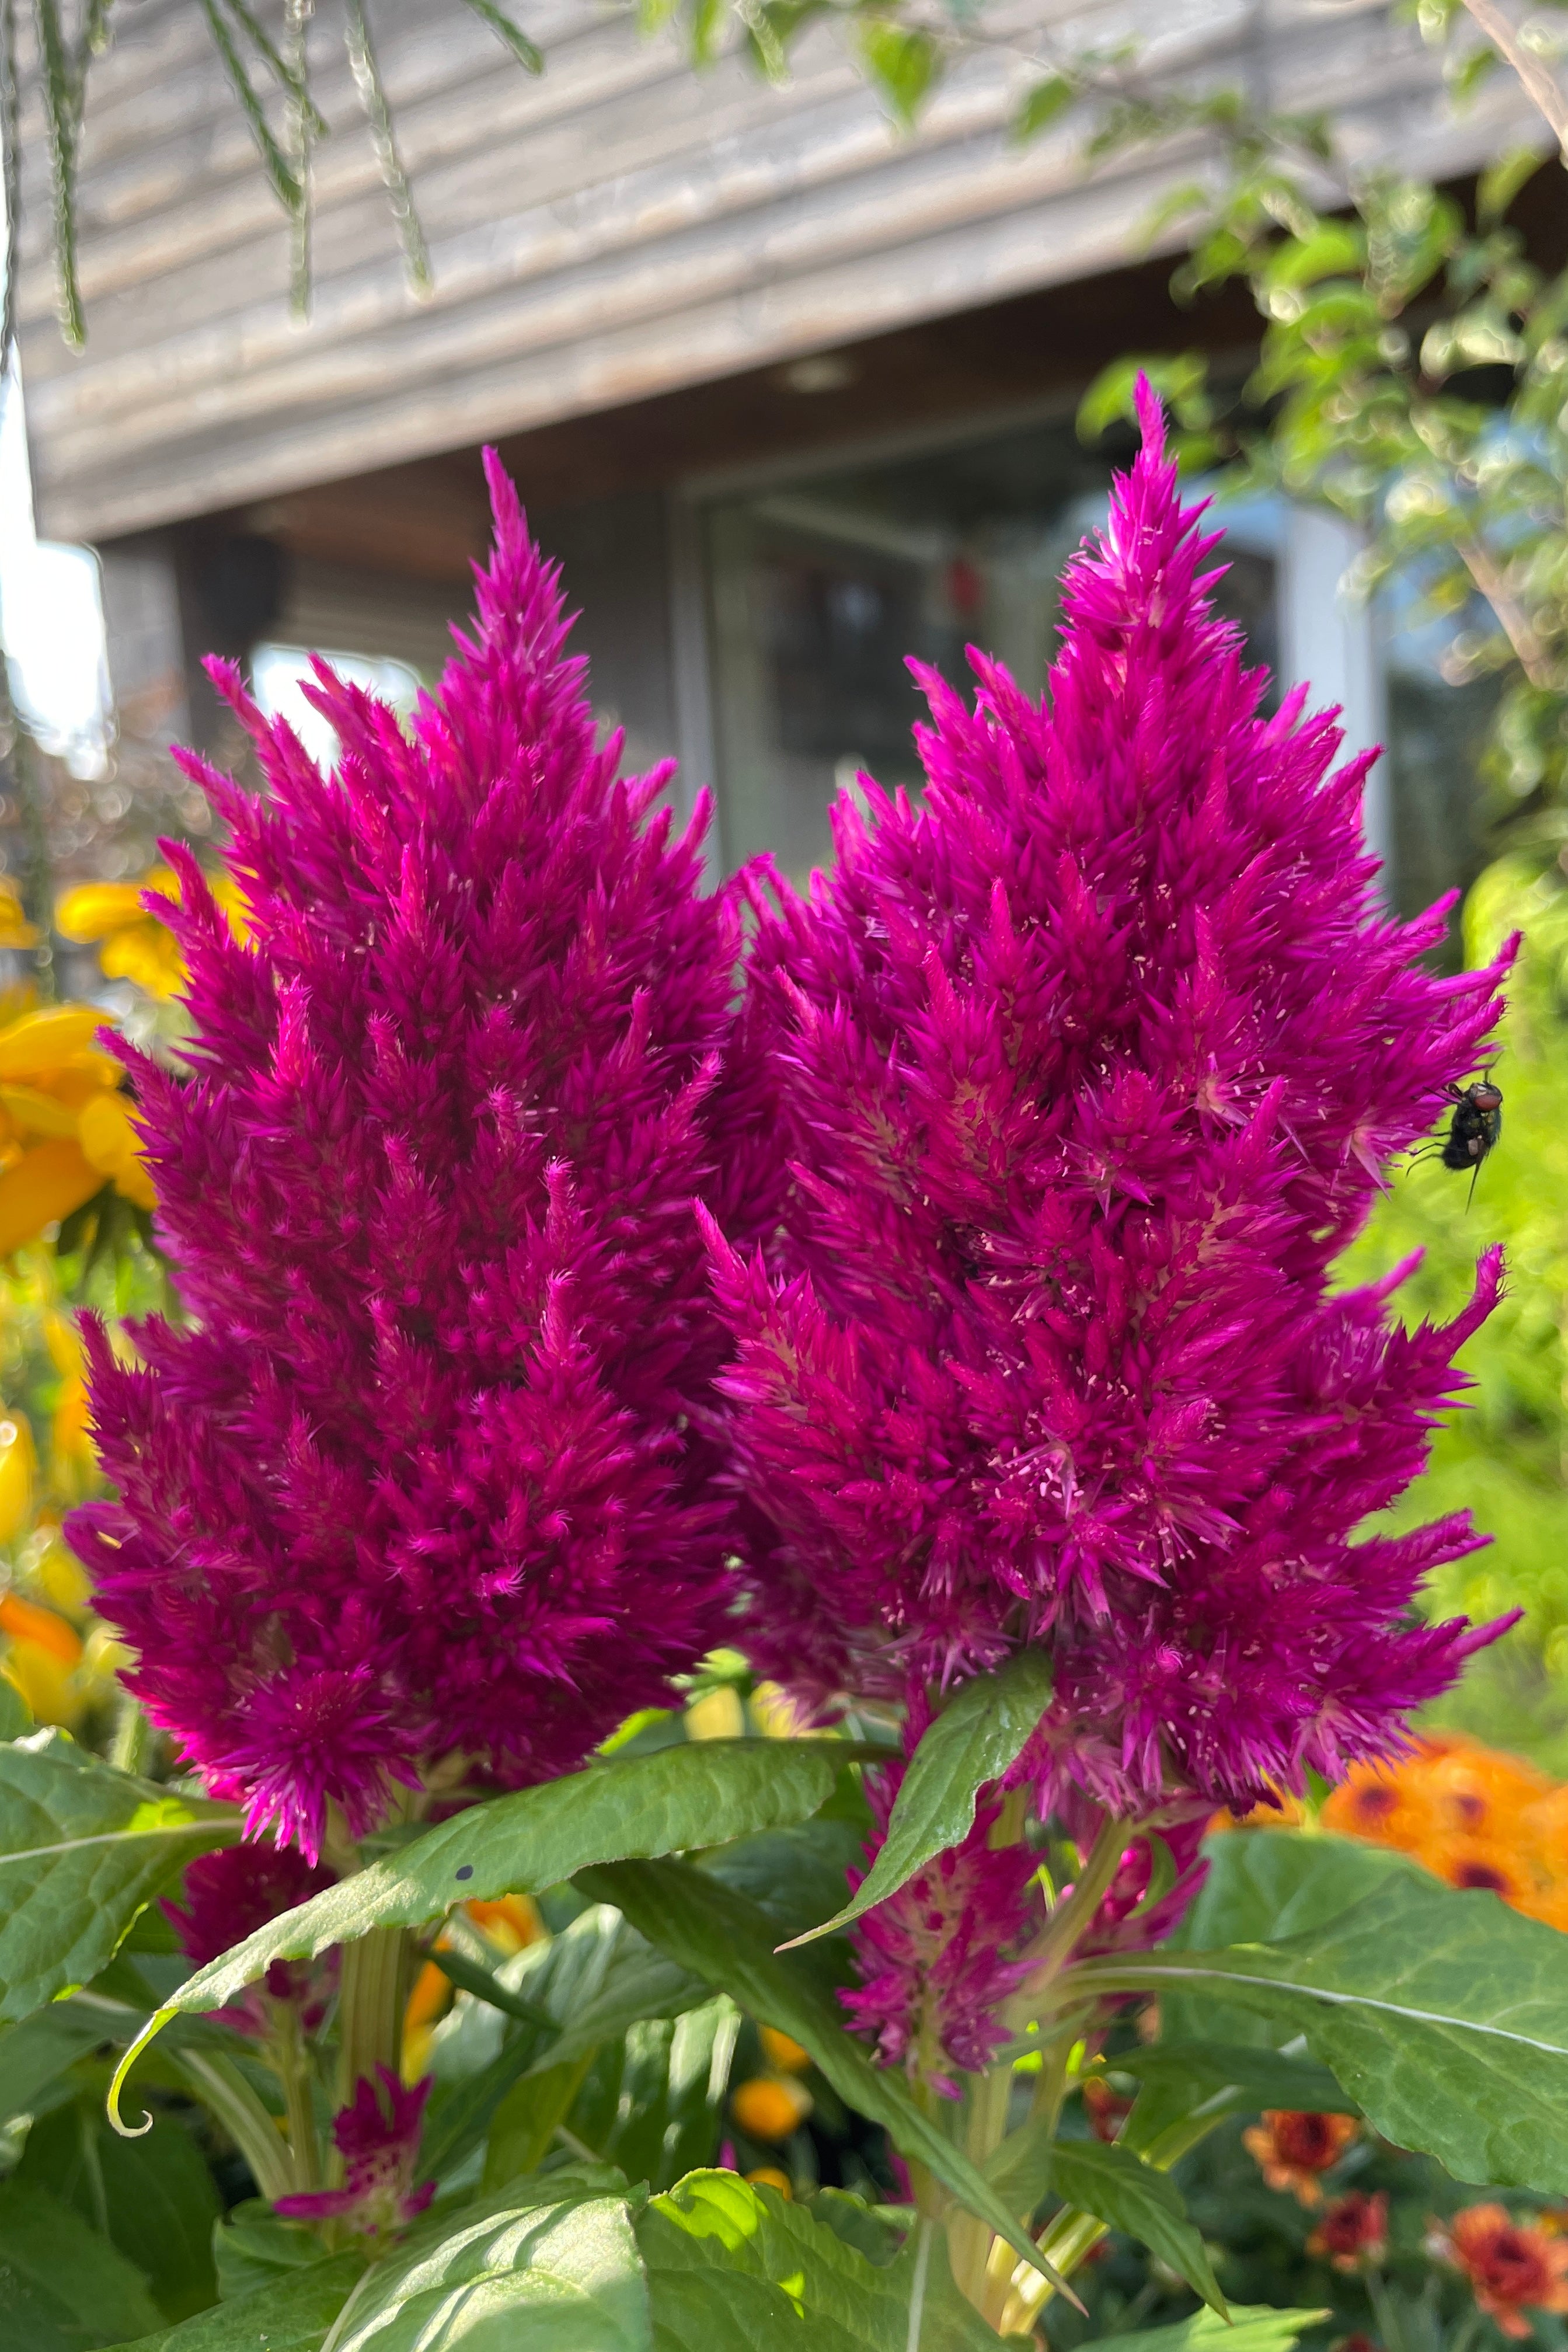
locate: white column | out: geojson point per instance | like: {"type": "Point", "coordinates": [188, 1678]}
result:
{"type": "Point", "coordinates": [1326, 637]}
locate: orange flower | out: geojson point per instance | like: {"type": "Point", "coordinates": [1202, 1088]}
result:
{"type": "Point", "coordinates": [768, 2176]}
{"type": "Point", "coordinates": [783, 2054]}
{"type": "Point", "coordinates": [1353, 2229]}
{"type": "Point", "coordinates": [1387, 1805]}
{"type": "Point", "coordinates": [1292, 2149]}
{"type": "Point", "coordinates": [1478, 1794]}
{"type": "Point", "coordinates": [769, 2106]}
{"type": "Point", "coordinates": [1510, 2265]}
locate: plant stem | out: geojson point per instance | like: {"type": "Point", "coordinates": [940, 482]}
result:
{"type": "Point", "coordinates": [291, 2062]}
{"type": "Point", "coordinates": [220, 2086]}
{"type": "Point", "coordinates": [1052, 1948]}
{"type": "Point", "coordinates": [371, 2002]}
{"type": "Point", "coordinates": [918, 2286]}
{"type": "Point", "coordinates": [968, 2238]}
{"type": "Point", "coordinates": [1540, 83]}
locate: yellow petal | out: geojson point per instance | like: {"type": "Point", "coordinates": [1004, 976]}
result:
{"type": "Point", "coordinates": [46, 1183]}
{"type": "Point", "coordinates": [63, 1341]}
{"type": "Point", "coordinates": [35, 1113]}
{"type": "Point", "coordinates": [17, 1462]}
{"type": "Point", "coordinates": [94, 908]}
{"type": "Point", "coordinates": [147, 954]}
{"type": "Point", "coordinates": [717, 1715]}
{"type": "Point", "coordinates": [16, 931]}
{"type": "Point", "coordinates": [47, 1685]}
{"type": "Point", "coordinates": [40, 1041]}
{"type": "Point", "coordinates": [106, 1134]}
{"type": "Point", "coordinates": [62, 1579]}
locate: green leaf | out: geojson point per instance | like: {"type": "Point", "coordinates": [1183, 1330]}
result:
{"type": "Point", "coordinates": [1115, 2187]}
{"type": "Point", "coordinates": [151, 2198]}
{"type": "Point", "coordinates": [535, 2272]}
{"type": "Point", "coordinates": [255, 2247]}
{"type": "Point", "coordinates": [16, 1715]}
{"type": "Point", "coordinates": [705, 1792]}
{"type": "Point", "coordinates": [291, 2314]}
{"type": "Point", "coordinates": [35, 2055]}
{"type": "Point", "coordinates": [1042, 104]}
{"type": "Point", "coordinates": [62, 2287]}
{"type": "Point", "coordinates": [1195, 2072]}
{"type": "Point", "coordinates": [651, 2103]}
{"type": "Point", "coordinates": [972, 1741]}
{"type": "Point", "coordinates": [529, 54]}
{"type": "Point", "coordinates": [718, 1935]}
{"type": "Point", "coordinates": [1444, 2015]}
{"type": "Point", "coordinates": [82, 1848]}
{"type": "Point", "coordinates": [1253, 2327]}
{"type": "Point", "coordinates": [525, 2123]}
{"type": "Point", "coordinates": [733, 2268]}
{"type": "Point", "coordinates": [901, 62]}
{"type": "Point", "coordinates": [1501, 181]}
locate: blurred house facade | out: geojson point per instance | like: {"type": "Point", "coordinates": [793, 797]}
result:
{"type": "Point", "coordinates": [789, 391]}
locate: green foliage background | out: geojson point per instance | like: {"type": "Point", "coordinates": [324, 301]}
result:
{"type": "Point", "coordinates": [1506, 1457]}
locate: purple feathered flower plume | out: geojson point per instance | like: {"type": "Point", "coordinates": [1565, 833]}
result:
{"type": "Point", "coordinates": [425, 1485]}
{"type": "Point", "coordinates": [1087, 1069]}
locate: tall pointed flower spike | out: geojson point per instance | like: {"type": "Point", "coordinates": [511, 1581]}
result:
{"type": "Point", "coordinates": [1088, 1070]}
{"type": "Point", "coordinates": [425, 1481]}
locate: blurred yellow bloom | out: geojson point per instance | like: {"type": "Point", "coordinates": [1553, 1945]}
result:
{"type": "Point", "coordinates": [777, 1715]}
{"type": "Point", "coordinates": [109, 1138]}
{"type": "Point", "coordinates": [783, 2056]}
{"type": "Point", "coordinates": [768, 2176]}
{"type": "Point", "coordinates": [65, 1124]}
{"type": "Point", "coordinates": [136, 945]}
{"type": "Point", "coordinates": [511, 1921]}
{"type": "Point", "coordinates": [717, 1715]}
{"type": "Point", "coordinates": [15, 932]}
{"type": "Point", "coordinates": [61, 1577]}
{"type": "Point", "coordinates": [41, 1658]}
{"type": "Point", "coordinates": [18, 1463]}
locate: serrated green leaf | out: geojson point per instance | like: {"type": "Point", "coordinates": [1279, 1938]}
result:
{"type": "Point", "coordinates": [972, 1741]}
{"type": "Point", "coordinates": [62, 2287]}
{"type": "Point", "coordinates": [1444, 2015]}
{"type": "Point", "coordinates": [733, 2268]}
{"type": "Point", "coordinates": [1113, 2185]}
{"type": "Point", "coordinates": [541, 2272]}
{"type": "Point", "coordinates": [718, 1935]}
{"type": "Point", "coordinates": [291, 2313]}
{"type": "Point", "coordinates": [82, 1848]}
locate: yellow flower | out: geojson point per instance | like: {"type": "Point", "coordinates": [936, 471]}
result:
{"type": "Point", "coordinates": [137, 946]}
{"type": "Point", "coordinates": [768, 2176]}
{"type": "Point", "coordinates": [785, 2056]}
{"type": "Point", "coordinates": [15, 932]}
{"type": "Point", "coordinates": [111, 1141]}
{"type": "Point", "coordinates": [42, 1657]}
{"type": "Point", "coordinates": [17, 1465]}
{"type": "Point", "coordinates": [717, 1715]}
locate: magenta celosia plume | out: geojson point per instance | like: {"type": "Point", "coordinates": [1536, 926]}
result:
{"type": "Point", "coordinates": [377, 2136]}
{"type": "Point", "coordinates": [1088, 1068]}
{"type": "Point", "coordinates": [425, 1480]}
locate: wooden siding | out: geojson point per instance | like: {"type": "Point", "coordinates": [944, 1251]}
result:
{"type": "Point", "coordinates": [619, 228]}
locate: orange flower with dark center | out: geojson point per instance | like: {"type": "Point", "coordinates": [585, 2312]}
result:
{"type": "Point", "coordinates": [1292, 2149]}
{"type": "Point", "coordinates": [1386, 1805]}
{"type": "Point", "coordinates": [1511, 2266]}
{"type": "Point", "coordinates": [1353, 2229]}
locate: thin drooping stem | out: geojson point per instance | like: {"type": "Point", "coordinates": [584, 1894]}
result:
{"type": "Point", "coordinates": [1540, 83]}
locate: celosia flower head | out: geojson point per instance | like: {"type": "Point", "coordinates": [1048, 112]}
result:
{"type": "Point", "coordinates": [377, 2136]}
{"type": "Point", "coordinates": [424, 1480]}
{"type": "Point", "coordinates": [229, 1895]}
{"type": "Point", "coordinates": [1087, 1067]}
